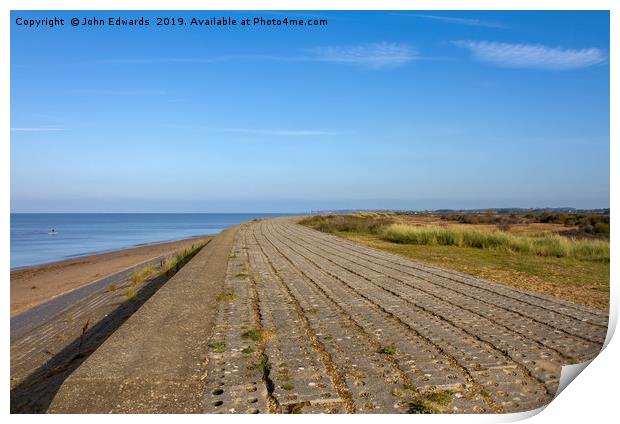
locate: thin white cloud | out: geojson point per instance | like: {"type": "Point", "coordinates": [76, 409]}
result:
{"type": "Point", "coordinates": [280, 132]}
{"type": "Point", "coordinates": [373, 55]}
{"type": "Point", "coordinates": [533, 56]}
{"type": "Point", "coordinates": [35, 129]}
{"type": "Point", "coordinates": [452, 20]}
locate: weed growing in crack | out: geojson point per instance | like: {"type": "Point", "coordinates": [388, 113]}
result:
{"type": "Point", "coordinates": [388, 350]}
{"type": "Point", "coordinates": [443, 397]}
{"type": "Point", "coordinates": [255, 335]}
{"type": "Point", "coordinates": [218, 347]}
{"type": "Point", "coordinates": [420, 407]}
{"type": "Point", "coordinates": [228, 297]}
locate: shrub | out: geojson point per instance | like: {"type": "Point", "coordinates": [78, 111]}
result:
{"type": "Point", "coordinates": [360, 223]}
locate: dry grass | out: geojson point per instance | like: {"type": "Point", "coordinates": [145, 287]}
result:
{"type": "Point", "coordinates": [143, 274]}
{"type": "Point", "coordinates": [355, 223]}
{"type": "Point", "coordinates": [541, 245]}
{"type": "Point", "coordinates": [532, 256]}
{"type": "Point", "coordinates": [171, 265]}
{"type": "Point", "coordinates": [131, 293]}
{"type": "Point", "coordinates": [585, 282]}
{"type": "Point", "coordinates": [227, 297]}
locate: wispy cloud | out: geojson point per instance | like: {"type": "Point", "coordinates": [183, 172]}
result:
{"type": "Point", "coordinates": [374, 55]}
{"type": "Point", "coordinates": [371, 55]}
{"type": "Point", "coordinates": [534, 56]}
{"type": "Point", "coordinates": [279, 132]}
{"type": "Point", "coordinates": [452, 20]}
{"type": "Point", "coordinates": [35, 129]}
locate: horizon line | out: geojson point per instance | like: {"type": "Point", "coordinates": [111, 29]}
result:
{"type": "Point", "coordinates": [325, 210]}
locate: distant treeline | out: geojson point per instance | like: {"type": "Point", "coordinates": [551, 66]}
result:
{"type": "Point", "coordinates": [500, 211]}
{"type": "Point", "coordinates": [587, 223]}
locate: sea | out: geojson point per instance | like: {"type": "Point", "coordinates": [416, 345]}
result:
{"type": "Point", "coordinates": [80, 234]}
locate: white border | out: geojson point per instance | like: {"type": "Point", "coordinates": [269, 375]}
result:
{"type": "Point", "coordinates": [592, 398]}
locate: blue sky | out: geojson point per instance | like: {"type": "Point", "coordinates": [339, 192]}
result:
{"type": "Point", "coordinates": [406, 110]}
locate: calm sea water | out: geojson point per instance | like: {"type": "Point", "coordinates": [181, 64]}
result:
{"type": "Point", "coordinates": [84, 234]}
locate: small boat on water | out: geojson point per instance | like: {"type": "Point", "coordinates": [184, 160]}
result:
{"type": "Point", "coordinates": [52, 232]}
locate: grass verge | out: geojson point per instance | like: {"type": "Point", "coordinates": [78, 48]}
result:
{"type": "Point", "coordinates": [585, 282]}
{"type": "Point", "coordinates": [541, 245]}
{"type": "Point", "coordinates": [577, 270]}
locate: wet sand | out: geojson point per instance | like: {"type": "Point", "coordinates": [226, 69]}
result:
{"type": "Point", "coordinates": [34, 285]}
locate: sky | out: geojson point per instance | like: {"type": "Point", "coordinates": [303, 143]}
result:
{"type": "Point", "coordinates": [375, 110]}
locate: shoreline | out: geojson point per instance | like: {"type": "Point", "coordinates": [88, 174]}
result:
{"type": "Point", "coordinates": [40, 283]}
{"type": "Point", "coordinates": [103, 252]}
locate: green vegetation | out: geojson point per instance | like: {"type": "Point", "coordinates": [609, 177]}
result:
{"type": "Point", "coordinates": [367, 223]}
{"type": "Point", "coordinates": [410, 387]}
{"type": "Point", "coordinates": [296, 409]}
{"type": "Point", "coordinates": [397, 392]}
{"type": "Point", "coordinates": [242, 274]}
{"type": "Point", "coordinates": [255, 335]}
{"type": "Point", "coordinates": [111, 288]}
{"type": "Point", "coordinates": [443, 397]}
{"type": "Point", "coordinates": [535, 257]}
{"type": "Point", "coordinates": [131, 294]}
{"type": "Point", "coordinates": [587, 223]}
{"type": "Point", "coordinates": [247, 350]}
{"type": "Point", "coordinates": [485, 394]}
{"type": "Point", "coordinates": [543, 245]}
{"type": "Point", "coordinates": [228, 297]}
{"type": "Point", "coordinates": [263, 366]}
{"type": "Point", "coordinates": [141, 275]}
{"type": "Point", "coordinates": [388, 350]}
{"type": "Point", "coordinates": [420, 407]}
{"type": "Point", "coordinates": [288, 386]}
{"type": "Point", "coordinates": [312, 311]}
{"type": "Point", "coordinates": [426, 403]}
{"type": "Point", "coordinates": [218, 347]}
{"type": "Point", "coordinates": [168, 267]}
{"type": "Point", "coordinates": [171, 265]}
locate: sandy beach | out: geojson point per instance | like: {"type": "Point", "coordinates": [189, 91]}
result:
{"type": "Point", "coordinates": [34, 285]}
